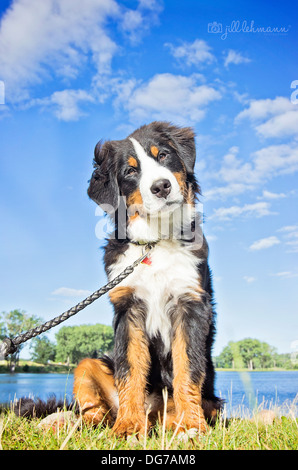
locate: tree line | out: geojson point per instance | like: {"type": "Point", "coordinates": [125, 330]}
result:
{"type": "Point", "coordinates": [74, 343]}
{"type": "Point", "coordinates": [252, 354]}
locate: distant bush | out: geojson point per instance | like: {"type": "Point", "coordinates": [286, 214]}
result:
{"type": "Point", "coordinates": [77, 342]}
{"type": "Point", "coordinates": [252, 354]}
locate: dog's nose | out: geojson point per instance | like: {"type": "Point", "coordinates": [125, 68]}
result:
{"type": "Point", "coordinates": [161, 188]}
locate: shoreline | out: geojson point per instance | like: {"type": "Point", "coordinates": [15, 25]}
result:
{"type": "Point", "coordinates": [30, 367]}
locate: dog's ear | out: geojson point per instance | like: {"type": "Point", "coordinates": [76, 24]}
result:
{"type": "Point", "coordinates": [103, 187]}
{"type": "Point", "coordinates": [182, 139]}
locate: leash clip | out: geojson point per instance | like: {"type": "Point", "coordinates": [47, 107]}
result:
{"type": "Point", "coordinates": [146, 251]}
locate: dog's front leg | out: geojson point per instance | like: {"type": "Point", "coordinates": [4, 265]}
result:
{"type": "Point", "coordinates": [131, 378]}
{"type": "Point", "coordinates": [191, 326]}
{"type": "Point", "coordinates": [132, 363]}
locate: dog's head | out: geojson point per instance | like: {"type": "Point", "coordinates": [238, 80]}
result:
{"type": "Point", "coordinates": [152, 170]}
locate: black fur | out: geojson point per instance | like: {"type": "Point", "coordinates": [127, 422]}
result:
{"type": "Point", "coordinates": [37, 408]}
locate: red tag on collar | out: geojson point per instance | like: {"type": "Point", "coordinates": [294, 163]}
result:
{"type": "Point", "coordinates": [147, 260]}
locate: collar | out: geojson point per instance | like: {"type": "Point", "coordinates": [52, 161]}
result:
{"type": "Point", "coordinates": [144, 243]}
{"type": "Point", "coordinates": [151, 244]}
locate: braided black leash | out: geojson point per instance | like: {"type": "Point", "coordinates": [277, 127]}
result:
{"type": "Point", "coordinates": [10, 346]}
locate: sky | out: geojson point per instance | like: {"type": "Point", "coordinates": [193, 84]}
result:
{"type": "Point", "coordinates": [73, 73]}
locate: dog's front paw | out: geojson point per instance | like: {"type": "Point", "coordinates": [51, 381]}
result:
{"type": "Point", "coordinates": [188, 427]}
{"type": "Point", "coordinates": [126, 427]}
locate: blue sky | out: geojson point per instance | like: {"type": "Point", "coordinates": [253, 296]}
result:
{"type": "Point", "coordinates": [75, 72]}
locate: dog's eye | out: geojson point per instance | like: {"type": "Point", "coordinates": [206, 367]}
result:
{"type": "Point", "coordinates": [131, 171]}
{"type": "Point", "coordinates": [163, 155]}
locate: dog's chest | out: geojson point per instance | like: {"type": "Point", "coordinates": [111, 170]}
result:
{"type": "Point", "coordinates": [169, 272]}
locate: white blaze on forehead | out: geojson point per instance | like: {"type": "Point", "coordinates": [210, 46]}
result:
{"type": "Point", "coordinates": [152, 171]}
{"type": "Point", "coordinates": [147, 163]}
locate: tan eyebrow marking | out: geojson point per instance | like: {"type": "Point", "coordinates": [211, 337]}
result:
{"type": "Point", "coordinates": [132, 162]}
{"type": "Point", "coordinates": [154, 151]}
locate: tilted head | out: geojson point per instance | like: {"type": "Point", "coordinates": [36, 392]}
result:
{"type": "Point", "coordinates": [152, 170]}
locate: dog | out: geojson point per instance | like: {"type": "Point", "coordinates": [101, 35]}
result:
{"type": "Point", "coordinates": [164, 314]}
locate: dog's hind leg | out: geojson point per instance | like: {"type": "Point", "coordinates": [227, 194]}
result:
{"type": "Point", "coordinates": [95, 391]}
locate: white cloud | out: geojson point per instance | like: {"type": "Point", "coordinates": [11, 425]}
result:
{"type": "Point", "coordinates": [269, 195]}
{"type": "Point", "coordinates": [275, 160]}
{"type": "Point", "coordinates": [196, 53]}
{"type": "Point", "coordinates": [249, 279]}
{"type": "Point", "coordinates": [45, 40]}
{"type": "Point", "coordinates": [288, 228]}
{"type": "Point", "coordinates": [277, 118]}
{"type": "Point", "coordinates": [136, 22]}
{"type": "Point", "coordinates": [211, 238]}
{"type": "Point", "coordinates": [149, 4]}
{"type": "Point", "coordinates": [264, 243]}
{"type": "Point", "coordinates": [293, 234]}
{"type": "Point", "coordinates": [264, 164]}
{"type": "Point", "coordinates": [293, 246]}
{"type": "Point", "coordinates": [38, 37]}
{"type": "Point", "coordinates": [290, 237]}
{"type": "Point", "coordinates": [286, 274]}
{"type": "Point", "coordinates": [69, 292]}
{"type": "Point", "coordinates": [166, 96]}
{"type": "Point", "coordinates": [280, 126]}
{"type": "Point", "coordinates": [65, 104]}
{"type": "Point", "coordinates": [233, 170]}
{"type": "Point", "coordinates": [259, 209]}
{"type": "Point", "coordinates": [223, 192]}
{"type": "Point", "coordinates": [132, 20]}
{"type": "Point", "coordinates": [238, 176]}
{"type": "Point", "coordinates": [261, 109]}
{"type": "Point", "coordinates": [283, 274]}
{"type": "Point", "coordinates": [234, 57]}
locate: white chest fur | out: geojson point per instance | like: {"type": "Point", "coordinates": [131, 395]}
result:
{"type": "Point", "coordinates": [173, 272]}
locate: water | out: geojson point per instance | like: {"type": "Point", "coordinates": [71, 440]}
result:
{"type": "Point", "coordinates": [14, 386]}
{"type": "Point", "coordinates": [242, 391]}
{"type": "Point", "coordinates": [246, 391]}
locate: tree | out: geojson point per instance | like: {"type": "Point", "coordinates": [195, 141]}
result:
{"type": "Point", "coordinates": [77, 342]}
{"type": "Point", "coordinates": [250, 349]}
{"type": "Point", "coordinates": [248, 352]}
{"type": "Point", "coordinates": [14, 323]}
{"type": "Point", "coordinates": [43, 350]}
{"type": "Point", "coordinates": [266, 356]}
{"type": "Point", "coordinates": [225, 359]}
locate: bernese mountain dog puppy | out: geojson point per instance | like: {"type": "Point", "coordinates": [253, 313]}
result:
{"type": "Point", "coordinates": [164, 318]}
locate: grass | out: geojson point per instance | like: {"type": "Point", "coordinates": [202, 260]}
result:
{"type": "Point", "coordinates": [233, 434]}
{"type": "Point", "coordinates": [237, 434]}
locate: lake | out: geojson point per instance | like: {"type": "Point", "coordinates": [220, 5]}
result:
{"type": "Point", "coordinates": [242, 391]}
